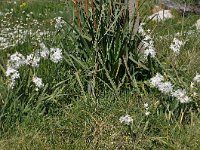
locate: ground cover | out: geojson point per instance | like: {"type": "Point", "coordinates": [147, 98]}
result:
{"type": "Point", "coordinates": [70, 86]}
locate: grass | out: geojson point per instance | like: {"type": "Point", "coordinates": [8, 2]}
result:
{"type": "Point", "coordinates": [79, 106]}
{"type": "Point", "coordinates": [87, 126]}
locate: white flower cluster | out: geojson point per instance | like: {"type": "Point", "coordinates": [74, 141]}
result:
{"type": "Point", "coordinates": [167, 88]}
{"type": "Point", "coordinates": [33, 59]}
{"type": "Point", "coordinates": [55, 55]}
{"type": "Point", "coordinates": [181, 95]}
{"type": "Point", "coordinates": [13, 74]}
{"type": "Point", "coordinates": [44, 53]}
{"type": "Point", "coordinates": [60, 23]}
{"type": "Point", "coordinates": [127, 119]}
{"type": "Point", "coordinates": [14, 32]}
{"type": "Point", "coordinates": [197, 78]}
{"type": "Point", "coordinates": [17, 34]}
{"type": "Point", "coordinates": [155, 81]}
{"type": "Point", "coordinates": [148, 43]}
{"type": "Point", "coordinates": [147, 112]}
{"type": "Point", "coordinates": [38, 82]}
{"type": "Point", "coordinates": [17, 60]}
{"type": "Point", "coordinates": [176, 45]}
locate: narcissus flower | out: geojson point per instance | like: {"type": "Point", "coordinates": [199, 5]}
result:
{"type": "Point", "coordinates": [55, 55]}
{"type": "Point", "coordinates": [38, 82]}
{"type": "Point", "coordinates": [126, 119]}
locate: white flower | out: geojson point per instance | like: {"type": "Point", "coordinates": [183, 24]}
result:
{"type": "Point", "coordinates": [10, 71]}
{"type": "Point", "coordinates": [197, 78]}
{"type": "Point", "coordinates": [15, 76]}
{"type": "Point", "coordinates": [38, 82]}
{"type": "Point", "coordinates": [146, 105]}
{"type": "Point", "coordinates": [150, 51]}
{"type": "Point", "coordinates": [126, 119]}
{"type": "Point", "coordinates": [141, 29]}
{"type": "Point", "coordinates": [147, 113]}
{"type": "Point", "coordinates": [147, 38]}
{"type": "Point", "coordinates": [191, 85]}
{"type": "Point", "coordinates": [55, 55]}
{"type": "Point", "coordinates": [60, 23]}
{"type": "Point", "coordinates": [17, 60]}
{"type": "Point", "coordinates": [165, 87]}
{"type": "Point", "coordinates": [45, 51]}
{"type": "Point", "coordinates": [155, 81]}
{"type": "Point", "coordinates": [33, 60]}
{"type": "Point", "coordinates": [148, 44]}
{"type": "Point", "coordinates": [194, 94]}
{"type": "Point", "coordinates": [176, 45]}
{"type": "Point", "coordinates": [181, 95]}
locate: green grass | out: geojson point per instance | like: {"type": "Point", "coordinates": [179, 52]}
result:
{"type": "Point", "coordinates": [89, 125]}
{"type": "Point", "coordinates": [81, 103]}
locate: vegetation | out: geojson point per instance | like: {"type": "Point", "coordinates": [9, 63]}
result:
{"type": "Point", "coordinates": [94, 76]}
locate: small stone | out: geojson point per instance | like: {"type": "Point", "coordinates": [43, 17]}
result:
{"type": "Point", "coordinates": [161, 15]}
{"type": "Point", "coordinates": [156, 9]}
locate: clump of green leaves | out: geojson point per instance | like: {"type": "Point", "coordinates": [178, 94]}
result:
{"type": "Point", "coordinates": [107, 41]}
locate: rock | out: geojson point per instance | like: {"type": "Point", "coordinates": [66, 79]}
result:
{"type": "Point", "coordinates": [156, 9]}
{"type": "Point", "coordinates": [161, 15]}
{"type": "Point", "coordinates": [192, 8]}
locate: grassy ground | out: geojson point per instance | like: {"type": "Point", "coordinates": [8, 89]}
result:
{"type": "Point", "coordinates": [66, 115]}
